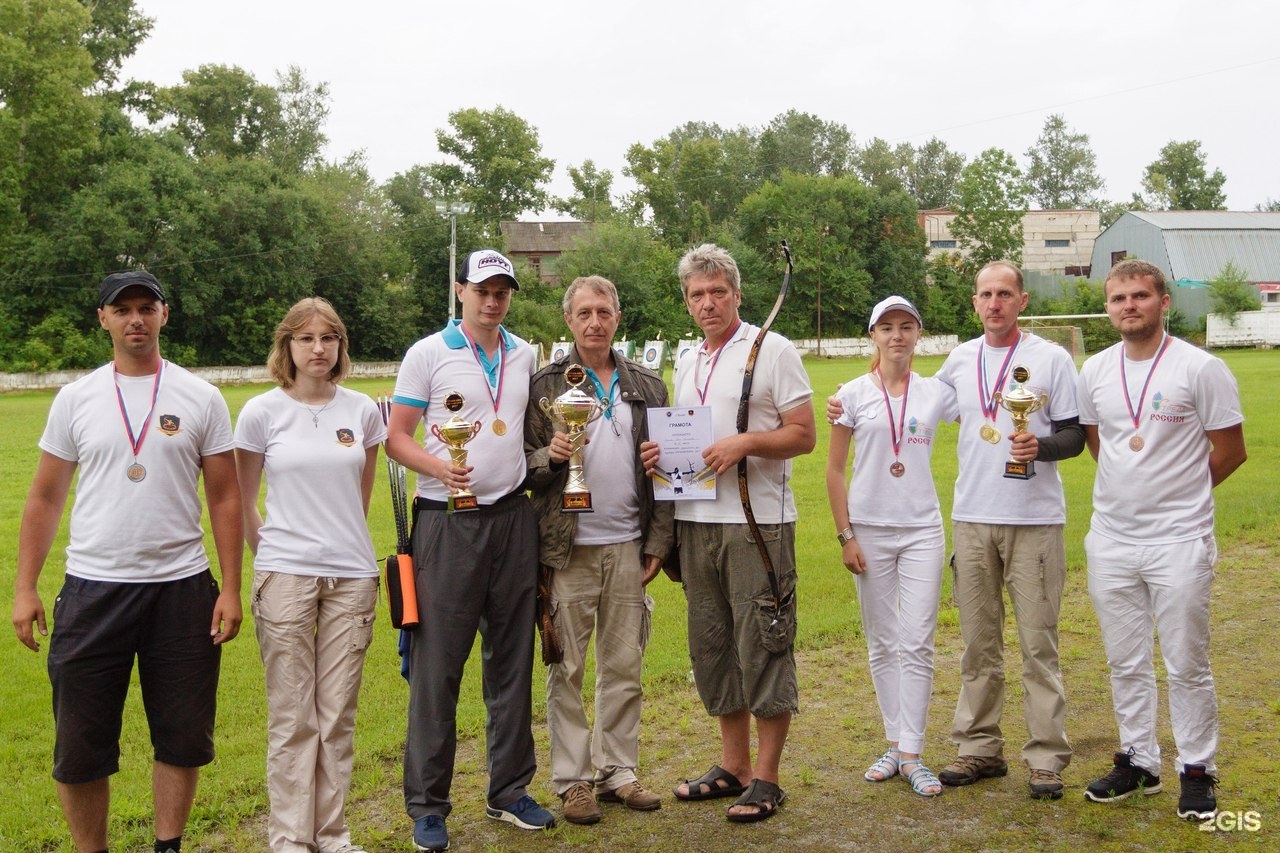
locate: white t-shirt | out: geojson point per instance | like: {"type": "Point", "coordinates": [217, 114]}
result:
{"type": "Point", "coordinates": [779, 385]}
{"type": "Point", "coordinates": [315, 523]}
{"type": "Point", "coordinates": [1163, 493]}
{"type": "Point", "coordinates": [444, 363]}
{"type": "Point", "coordinates": [609, 464]}
{"type": "Point", "coordinates": [877, 497]}
{"type": "Point", "coordinates": [148, 531]}
{"type": "Point", "coordinates": [983, 494]}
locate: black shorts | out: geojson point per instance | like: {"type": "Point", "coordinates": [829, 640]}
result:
{"type": "Point", "coordinates": [98, 628]}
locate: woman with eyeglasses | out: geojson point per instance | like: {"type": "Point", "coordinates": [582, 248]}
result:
{"type": "Point", "coordinates": [890, 530]}
{"type": "Point", "coordinates": [315, 578]}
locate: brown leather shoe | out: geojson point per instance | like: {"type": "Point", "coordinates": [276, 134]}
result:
{"type": "Point", "coordinates": [634, 796]}
{"type": "Point", "coordinates": [967, 769]}
{"type": "Point", "coordinates": [580, 804]}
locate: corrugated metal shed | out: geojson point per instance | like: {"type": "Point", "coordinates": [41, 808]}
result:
{"type": "Point", "coordinates": [542, 237]}
{"type": "Point", "coordinates": [1193, 246]}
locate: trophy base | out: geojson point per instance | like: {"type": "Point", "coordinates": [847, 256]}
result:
{"type": "Point", "coordinates": [1020, 470]}
{"type": "Point", "coordinates": [463, 503]}
{"type": "Point", "coordinates": [576, 502]}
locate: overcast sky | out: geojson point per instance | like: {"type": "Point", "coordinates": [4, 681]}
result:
{"type": "Point", "coordinates": [595, 77]}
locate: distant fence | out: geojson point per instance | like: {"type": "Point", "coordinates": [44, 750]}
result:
{"type": "Point", "coordinates": [862, 347]}
{"type": "Point", "coordinates": [248, 375]}
{"type": "Point", "coordinates": [1251, 329]}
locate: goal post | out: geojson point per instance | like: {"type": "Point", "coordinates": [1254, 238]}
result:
{"type": "Point", "coordinates": [1059, 329]}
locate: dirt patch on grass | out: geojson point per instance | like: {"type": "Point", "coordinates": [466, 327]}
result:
{"type": "Point", "coordinates": [838, 733]}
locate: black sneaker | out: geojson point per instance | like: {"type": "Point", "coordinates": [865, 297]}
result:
{"type": "Point", "coordinates": [1124, 780]}
{"type": "Point", "coordinates": [1197, 801]}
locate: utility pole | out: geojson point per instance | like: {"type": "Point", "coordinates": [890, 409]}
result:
{"type": "Point", "coordinates": [826, 229]}
{"type": "Point", "coordinates": [452, 209]}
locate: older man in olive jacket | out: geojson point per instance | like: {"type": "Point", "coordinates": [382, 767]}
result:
{"type": "Point", "coordinates": [594, 565]}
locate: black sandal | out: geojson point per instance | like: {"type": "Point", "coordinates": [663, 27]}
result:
{"type": "Point", "coordinates": [711, 780]}
{"type": "Point", "coordinates": [764, 796]}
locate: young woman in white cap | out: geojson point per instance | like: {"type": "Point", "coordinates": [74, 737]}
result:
{"type": "Point", "coordinates": [315, 576]}
{"type": "Point", "coordinates": [890, 529]}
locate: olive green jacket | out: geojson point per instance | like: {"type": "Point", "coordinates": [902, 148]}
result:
{"type": "Point", "coordinates": [639, 388]}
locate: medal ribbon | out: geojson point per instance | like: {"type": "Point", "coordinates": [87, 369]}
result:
{"type": "Point", "coordinates": [136, 443]}
{"type": "Point", "coordinates": [896, 433]}
{"type": "Point", "coordinates": [1136, 416]}
{"type": "Point", "coordinates": [702, 392]}
{"type": "Point", "coordinates": [495, 393]}
{"type": "Point", "coordinates": [987, 399]}
{"type": "Point", "coordinates": [611, 395]}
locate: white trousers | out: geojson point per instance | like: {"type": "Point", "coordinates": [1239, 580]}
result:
{"type": "Point", "coordinates": [898, 599]}
{"type": "Point", "coordinates": [313, 634]}
{"type": "Point", "coordinates": [599, 591]}
{"type": "Point", "coordinates": [1136, 588]}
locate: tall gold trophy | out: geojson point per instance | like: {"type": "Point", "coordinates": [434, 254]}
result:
{"type": "Point", "coordinates": [574, 410]}
{"type": "Point", "coordinates": [455, 433]}
{"type": "Point", "coordinates": [1020, 404]}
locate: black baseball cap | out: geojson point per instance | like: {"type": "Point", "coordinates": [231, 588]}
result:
{"type": "Point", "coordinates": [113, 285]}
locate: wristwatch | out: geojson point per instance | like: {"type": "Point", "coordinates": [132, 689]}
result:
{"type": "Point", "coordinates": [845, 535]}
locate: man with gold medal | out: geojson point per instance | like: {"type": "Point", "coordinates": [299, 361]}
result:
{"type": "Point", "coordinates": [476, 559]}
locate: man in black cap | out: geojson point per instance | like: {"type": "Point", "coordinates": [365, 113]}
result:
{"type": "Point", "coordinates": [141, 431]}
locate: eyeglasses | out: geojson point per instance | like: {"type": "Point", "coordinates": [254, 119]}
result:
{"type": "Point", "coordinates": [308, 341]}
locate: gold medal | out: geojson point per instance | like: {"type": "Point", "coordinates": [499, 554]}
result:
{"type": "Point", "coordinates": [136, 473]}
{"type": "Point", "coordinates": [897, 469]}
{"type": "Point", "coordinates": [499, 426]}
{"type": "Point", "coordinates": [1136, 443]}
{"type": "Point", "coordinates": [989, 434]}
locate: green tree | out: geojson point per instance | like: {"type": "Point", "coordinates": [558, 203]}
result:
{"type": "Point", "coordinates": [1179, 179]}
{"type": "Point", "coordinates": [499, 165]}
{"type": "Point", "coordinates": [115, 32]}
{"type": "Point", "coordinates": [991, 199]}
{"type": "Point", "coordinates": [947, 307]}
{"type": "Point", "coordinates": [220, 110]}
{"type": "Point", "coordinates": [1271, 205]}
{"type": "Point", "coordinates": [804, 144]}
{"type": "Point", "coordinates": [1062, 170]}
{"type": "Point", "coordinates": [591, 200]}
{"type": "Point", "coordinates": [691, 180]}
{"type": "Point", "coordinates": [884, 166]}
{"type": "Point", "coordinates": [299, 137]}
{"type": "Point", "coordinates": [1231, 292]}
{"type": "Point", "coordinates": [864, 244]}
{"type": "Point", "coordinates": [642, 267]}
{"type": "Point", "coordinates": [933, 173]}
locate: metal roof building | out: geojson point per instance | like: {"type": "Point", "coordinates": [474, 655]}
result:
{"type": "Point", "coordinates": [1192, 247]}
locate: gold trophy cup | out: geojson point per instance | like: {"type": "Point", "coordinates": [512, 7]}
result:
{"type": "Point", "coordinates": [455, 433]}
{"type": "Point", "coordinates": [575, 409]}
{"type": "Point", "coordinates": [1020, 403]}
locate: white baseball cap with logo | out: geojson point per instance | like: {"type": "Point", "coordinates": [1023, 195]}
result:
{"type": "Point", "coordinates": [483, 265]}
{"type": "Point", "coordinates": [892, 303]}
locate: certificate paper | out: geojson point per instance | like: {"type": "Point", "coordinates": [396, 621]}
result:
{"type": "Point", "coordinates": [682, 434]}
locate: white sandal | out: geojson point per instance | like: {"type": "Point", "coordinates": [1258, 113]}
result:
{"type": "Point", "coordinates": [885, 768]}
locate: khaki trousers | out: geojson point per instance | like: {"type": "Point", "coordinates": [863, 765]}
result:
{"type": "Point", "coordinates": [313, 634]}
{"type": "Point", "coordinates": [598, 590]}
{"type": "Point", "coordinates": [1030, 561]}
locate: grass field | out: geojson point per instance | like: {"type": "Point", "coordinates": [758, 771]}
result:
{"type": "Point", "coordinates": [832, 740]}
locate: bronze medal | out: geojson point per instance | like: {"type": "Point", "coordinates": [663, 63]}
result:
{"type": "Point", "coordinates": [1137, 443]}
{"type": "Point", "coordinates": [897, 469]}
{"type": "Point", "coordinates": [136, 473]}
{"type": "Point", "coordinates": [499, 426]}
{"type": "Point", "coordinates": [989, 434]}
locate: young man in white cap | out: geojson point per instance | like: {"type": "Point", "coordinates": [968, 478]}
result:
{"type": "Point", "coordinates": [141, 431]}
{"type": "Point", "coordinates": [476, 568]}
{"type": "Point", "coordinates": [1163, 419]}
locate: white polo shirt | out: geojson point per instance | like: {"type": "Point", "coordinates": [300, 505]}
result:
{"type": "Point", "coordinates": [779, 385]}
{"type": "Point", "coordinates": [1162, 493]}
{"type": "Point", "coordinates": [445, 363]}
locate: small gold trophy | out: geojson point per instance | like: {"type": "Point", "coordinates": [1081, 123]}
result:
{"type": "Point", "coordinates": [1020, 403]}
{"type": "Point", "coordinates": [455, 433]}
{"type": "Point", "coordinates": [575, 409]}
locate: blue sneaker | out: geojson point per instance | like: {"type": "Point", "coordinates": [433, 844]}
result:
{"type": "Point", "coordinates": [525, 813]}
{"type": "Point", "coordinates": [429, 833]}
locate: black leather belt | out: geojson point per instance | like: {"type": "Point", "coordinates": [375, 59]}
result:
{"type": "Point", "coordinates": [420, 503]}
